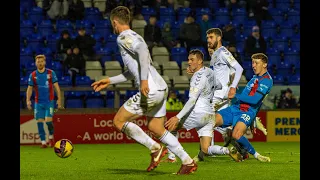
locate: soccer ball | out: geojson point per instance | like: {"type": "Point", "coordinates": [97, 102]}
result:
{"type": "Point", "coordinates": [63, 148]}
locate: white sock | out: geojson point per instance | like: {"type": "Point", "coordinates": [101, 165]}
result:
{"type": "Point", "coordinates": [212, 150]}
{"type": "Point", "coordinates": [173, 144]}
{"type": "Point", "coordinates": [256, 155]}
{"type": "Point", "coordinates": [43, 142]}
{"type": "Point", "coordinates": [212, 139]}
{"type": "Point", "coordinates": [170, 154]}
{"type": "Point", "coordinates": [50, 136]}
{"type": "Point", "coordinates": [140, 136]}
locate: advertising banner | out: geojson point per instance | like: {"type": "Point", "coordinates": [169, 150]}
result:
{"type": "Point", "coordinates": [98, 129]}
{"type": "Point", "coordinates": [283, 126]}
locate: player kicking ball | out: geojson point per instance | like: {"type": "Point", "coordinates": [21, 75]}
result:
{"type": "Point", "coordinates": [197, 112]}
{"type": "Point", "coordinates": [241, 114]}
{"type": "Point", "coordinates": [149, 101]}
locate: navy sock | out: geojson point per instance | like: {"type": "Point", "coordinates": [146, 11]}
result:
{"type": "Point", "coordinates": [41, 132]}
{"type": "Point", "coordinates": [50, 127]}
{"type": "Point", "coordinates": [246, 145]}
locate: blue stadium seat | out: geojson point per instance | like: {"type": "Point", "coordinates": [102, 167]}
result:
{"type": "Point", "coordinates": [147, 12]}
{"type": "Point", "coordinates": [294, 79]}
{"type": "Point", "coordinates": [86, 24]}
{"type": "Point", "coordinates": [280, 42]}
{"type": "Point", "coordinates": [62, 25]}
{"type": "Point", "coordinates": [247, 27]}
{"type": "Point", "coordinates": [25, 51]}
{"type": "Point", "coordinates": [24, 81]}
{"type": "Point", "coordinates": [57, 67]}
{"type": "Point", "coordinates": [282, 6]}
{"type": "Point", "coordinates": [247, 65]}
{"type": "Point", "coordinates": [268, 28]}
{"type": "Point", "coordinates": [179, 55]}
{"type": "Point", "coordinates": [277, 15]}
{"type": "Point", "coordinates": [94, 100]}
{"type": "Point", "coordinates": [295, 41]}
{"type": "Point", "coordinates": [273, 55]}
{"type": "Point", "coordinates": [167, 13]}
{"type": "Point", "coordinates": [99, 39]}
{"type": "Point", "coordinates": [248, 74]}
{"type": "Point", "coordinates": [110, 99]}
{"type": "Point", "coordinates": [26, 60]}
{"type": "Point", "coordinates": [44, 50]}
{"type": "Point", "coordinates": [202, 49]}
{"type": "Point", "coordinates": [286, 28]}
{"type": "Point", "coordinates": [35, 14]}
{"type": "Point", "coordinates": [106, 54]}
{"type": "Point", "coordinates": [175, 28]}
{"type": "Point", "coordinates": [45, 27]}
{"type": "Point", "coordinates": [35, 40]}
{"type": "Point", "coordinates": [278, 79]}
{"type": "Point", "coordinates": [30, 67]}
{"type": "Point", "coordinates": [74, 99]}
{"type": "Point", "coordinates": [92, 13]}
{"type": "Point", "coordinates": [26, 5]}
{"type": "Point", "coordinates": [52, 41]}
{"type": "Point", "coordinates": [83, 81]}
{"type": "Point", "coordinates": [102, 27]}
{"type": "Point", "coordinates": [130, 93]}
{"type": "Point", "coordinates": [292, 54]}
{"type": "Point", "coordinates": [111, 42]}
{"type": "Point", "coordinates": [222, 15]}
{"type": "Point", "coordinates": [213, 5]}
{"type": "Point", "coordinates": [239, 15]}
{"type": "Point", "coordinates": [64, 81]}
{"type": "Point", "coordinates": [26, 28]}
{"type": "Point", "coordinates": [293, 16]}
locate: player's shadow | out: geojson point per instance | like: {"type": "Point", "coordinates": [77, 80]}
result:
{"type": "Point", "coordinates": [134, 171]}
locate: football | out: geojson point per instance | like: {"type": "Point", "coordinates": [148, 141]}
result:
{"type": "Point", "coordinates": [63, 148]}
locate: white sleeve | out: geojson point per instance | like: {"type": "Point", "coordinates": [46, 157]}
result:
{"type": "Point", "coordinates": [232, 63]}
{"type": "Point", "coordinates": [196, 87]}
{"type": "Point", "coordinates": [142, 50]}
{"type": "Point", "coordinates": [125, 76]}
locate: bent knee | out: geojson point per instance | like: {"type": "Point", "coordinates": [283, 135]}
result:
{"type": "Point", "coordinates": [237, 134]}
{"type": "Point", "coordinates": [205, 149]}
{"type": "Point", "coordinates": [118, 122]}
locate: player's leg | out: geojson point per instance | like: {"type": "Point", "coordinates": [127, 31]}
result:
{"type": "Point", "coordinates": [242, 123]}
{"type": "Point", "coordinates": [122, 122]}
{"type": "Point", "coordinates": [39, 115]}
{"type": "Point", "coordinates": [48, 118]}
{"type": "Point", "coordinates": [156, 126]}
{"type": "Point", "coordinates": [171, 156]}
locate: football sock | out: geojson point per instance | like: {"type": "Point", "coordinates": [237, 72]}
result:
{"type": "Point", "coordinates": [135, 132]}
{"type": "Point", "coordinates": [215, 149]}
{"type": "Point", "coordinates": [41, 132]}
{"type": "Point", "coordinates": [174, 146]}
{"type": "Point", "coordinates": [170, 154]}
{"type": "Point", "coordinates": [246, 145]}
{"type": "Point", "coordinates": [50, 129]}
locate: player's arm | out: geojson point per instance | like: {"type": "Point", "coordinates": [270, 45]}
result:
{"type": "Point", "coordinates": [57, 89]}
{"type": "Point", "coordinates": [194, 92]}
{"type": "Point", "coordinates": [125, 76]}
{"type": "Point", "coordinates": [233, 63]}
{"type": "Point", "coordinates": [29, 91]}
{"type": "Point", "coordinates": [263, 88]}
{"type": "Point", "coordinates": [144, 63]}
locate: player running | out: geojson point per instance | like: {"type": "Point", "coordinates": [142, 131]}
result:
{"type": "Point", "coordinates": [241, 114]}
{"type": "Point", "coordinates": [43, 81]}
{"type": "Point", "coordinates": [149, 101]}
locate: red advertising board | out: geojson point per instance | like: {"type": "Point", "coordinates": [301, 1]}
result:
{"type": "Point", "coordinates": [98, 129]}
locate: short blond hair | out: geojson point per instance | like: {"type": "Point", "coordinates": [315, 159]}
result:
{"type": "Point", "coordinates": [121, 14]}
{"type": "Point", "coordinates": [40, 56]}
{"type": "Point", "coordinates": [263, 57]}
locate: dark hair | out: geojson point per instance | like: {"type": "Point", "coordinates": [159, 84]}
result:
{"type": "Point", "coordinates": [122, 14]}
{"type": "Point", "coordinates": [263, 57]}
{"type": "Point", "coordinates": [216, 31]}
{"type": "Point", "coordinates": [198, 53]}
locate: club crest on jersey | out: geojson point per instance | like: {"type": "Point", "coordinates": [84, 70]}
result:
{"type": "Point", "coordinates": [128, 42]}
{"type": "Point", "coordinates": [48, 76]}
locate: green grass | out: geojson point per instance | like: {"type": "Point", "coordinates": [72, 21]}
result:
{"type": "Point", "coordinates": [129, 161]}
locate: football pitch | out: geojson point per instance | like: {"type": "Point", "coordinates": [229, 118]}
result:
{"type": "Point", "coordinates": [130, 161]}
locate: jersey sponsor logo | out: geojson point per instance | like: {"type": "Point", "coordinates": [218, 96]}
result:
{"type": "Point", "coordinates": [264, 86]}
{"type": "Point", "coordinates": [194, 89]}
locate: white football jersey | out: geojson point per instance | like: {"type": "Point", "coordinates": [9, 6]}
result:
{"type": "Point", "coordinates": [128, 41]}
{"type": "Point", "coordinates": [202, 85]}
{"type": "Point", "coordinates": [222, 62]}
